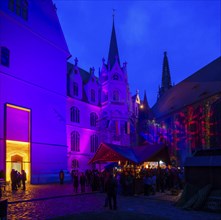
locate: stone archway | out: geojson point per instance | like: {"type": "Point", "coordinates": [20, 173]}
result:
{"type": "Point", "coordinates": [17, 162]}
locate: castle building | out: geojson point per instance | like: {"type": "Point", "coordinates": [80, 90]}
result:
{"type": "Point", "coordinates": [99, 109]}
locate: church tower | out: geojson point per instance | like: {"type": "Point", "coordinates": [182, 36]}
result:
{"type": "Point", "coordinates": [116, 102]}
{"type": "Point", "coordinates": [166, 79]}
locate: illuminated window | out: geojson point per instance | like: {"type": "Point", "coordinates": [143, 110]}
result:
{"type": "Point", "coordinates": [93, 119]}
{"type": "Point", "coordinates": [94, 143]}
{"type": "Point", "coordinates": [116, 95]}
{"type": "Point", "coordinates": [20, 7]}
{"type": "Point", "coordinates": [75, 89]}
{"type": "Point", "coordinates": [5, 56]}
{"type": "Point", "coordinates": [75, 114]}
{"type": "Point", "coordinates": [75, 141]}
{"type": "Point", "coordinates": [75, 164]}
{"type": "Point", "coordinates": [93, 95]}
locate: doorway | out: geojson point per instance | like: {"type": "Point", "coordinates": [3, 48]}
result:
{"type": "Point", "coordinates": [17, 140]}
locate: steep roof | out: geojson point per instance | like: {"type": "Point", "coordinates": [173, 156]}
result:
{"type": "Point", "coordinates": [113, 49]}
{"type": "Point", "coordinates": [202, 84]}
{"type": "Point", "coordinates": [84, 74]}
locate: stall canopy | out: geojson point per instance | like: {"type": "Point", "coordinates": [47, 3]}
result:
{"type": "Point", "coordinates": [138, 154]}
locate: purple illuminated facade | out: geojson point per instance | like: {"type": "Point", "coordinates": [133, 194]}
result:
{"type": "Point", "coordinates": [99, 109]}
{"type": "Point", "coordinates": [32, 90]}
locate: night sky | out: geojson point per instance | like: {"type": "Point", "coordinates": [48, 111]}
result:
{"type": "Point", "coordinates": [190, 32]}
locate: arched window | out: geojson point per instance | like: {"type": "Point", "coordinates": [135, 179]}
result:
{"type": "Point", "coordinates": [75, 89]}
{"type": "Point", "coordinates": [75, 141]}
{"type": "Point", "coordinates": [94, 143]}
{"type": "Point", "coordinates": [116, 95]}
{"type": "Point", "coordinates": [93, 95]}
{"type": "Point", "coordinates": [75, 114]}
{"type": "Point", "coordinates": [93, 119]}
{"type": "Point", "coordinates": [4, 56]}
{"type": "Point", "coordinates": [75, 164]}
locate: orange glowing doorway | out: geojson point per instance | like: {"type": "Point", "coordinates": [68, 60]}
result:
{"type": "Point", "coordinates": [17, 140]}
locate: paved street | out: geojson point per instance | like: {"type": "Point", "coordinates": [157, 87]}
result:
{"type": "Point", "coordinates": [54, 201]}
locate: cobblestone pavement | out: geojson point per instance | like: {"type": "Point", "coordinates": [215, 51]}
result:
{"type": "Point", "coordinates": [54, 201]}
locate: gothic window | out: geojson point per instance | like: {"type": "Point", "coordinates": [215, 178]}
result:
{"type": "Point", "coordinates": [116, 95]}
{"type": "Point", "coordinates": [75, 114]}
{"type": "Point", "coordinates": [20, 7]}
{"type": "Point", "coordinates": [93, 95]}
{"type": "Point", "coordinates": [94, 143]}
{"type": "Point", "coordinates": [75, 164]}
{"type": "Point", "coordinates": [75, 89]}
{"type": "Point", "coordinates": [115, 76]}
{"type": "Point", "coordinates": [5, 56]}
{"type": "Point", "coordinates": [93, 119]}
{"type": "Point", "coordinates": [75, 141]}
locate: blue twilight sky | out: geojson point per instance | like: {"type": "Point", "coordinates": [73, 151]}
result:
{"type": "Point", "coordinates": [190, 32]}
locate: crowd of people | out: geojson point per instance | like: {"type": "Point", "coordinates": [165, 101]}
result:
{"type": "Point", "coordinates": [18, 180]}
{"type": "Point", "coordinates": [127, 182]}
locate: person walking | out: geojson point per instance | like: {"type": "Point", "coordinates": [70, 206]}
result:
{"type": "Point", "coordinates": [61, 177]}
{"type": "Point", "coordinates": [111, 188]}
{"type": "Point", "coordinates": [23, 179]}
{"type": "Point", "coordinates": [82, 182]}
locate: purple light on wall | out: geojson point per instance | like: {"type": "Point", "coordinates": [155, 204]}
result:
{"type": "Point", "coordinates": [17, 123]}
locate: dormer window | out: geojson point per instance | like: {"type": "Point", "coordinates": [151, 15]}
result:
{"type": "Point", "coordinates": [115, 76]}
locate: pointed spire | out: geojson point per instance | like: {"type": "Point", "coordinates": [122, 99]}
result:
{"type": "Point", "coordinates": [113, 49]}
{"type": "Point", "coordinates": [166, 78]}
{"type": "Point", "coordinates": [145, 102]}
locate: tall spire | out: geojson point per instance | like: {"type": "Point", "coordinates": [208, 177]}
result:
{"type": "Point", "coordinates": [113, 49]}
{"type": "Point", "coordinates": [145, 102]}
{"type": "Point", "coordinates": [166, 79]}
